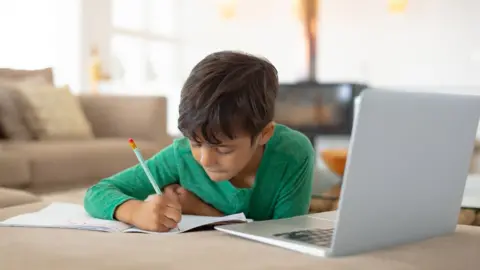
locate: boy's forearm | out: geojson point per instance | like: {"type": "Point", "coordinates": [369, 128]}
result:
{"type": "Point", "coordinates": [124, 212]}
{"type": "Point", "coordinates": [207, 210]}
{"type": "Point", "coordinates": [102, 200]}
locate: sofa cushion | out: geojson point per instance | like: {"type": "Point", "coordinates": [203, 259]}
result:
{"type": "Point", "coordinates": [65, 162]}
{"type": "Point", "coordinates": [13, 197]}
{"type": "Point", "coordinates": [12, 111]}
{"type": "Point", "coordinates": [54, 113]}
{"type": "Point", "coordinates": [14, 169]}
{"type": "Point", "coordinates": [11, 118]}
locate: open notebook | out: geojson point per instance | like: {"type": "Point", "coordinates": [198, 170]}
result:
{"type": "Point", "coordinates": [73, 216]}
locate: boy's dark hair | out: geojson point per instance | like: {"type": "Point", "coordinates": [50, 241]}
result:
{"type": "Point", "coordinates": [227, 92]}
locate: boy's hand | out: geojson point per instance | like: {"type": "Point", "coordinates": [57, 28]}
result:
{"type": "Point", "coordinates": [191, 204]}
{"type": "Point", "coordinates": [159, 213]}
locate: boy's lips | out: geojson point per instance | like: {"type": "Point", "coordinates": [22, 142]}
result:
{"type": "Point", "coordinates": [213, 171]}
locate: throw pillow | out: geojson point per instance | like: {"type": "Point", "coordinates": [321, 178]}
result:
{"type": "Point", "coordinates": [12, 120]}
{"type": "Point", "coordinates": [54, 113]}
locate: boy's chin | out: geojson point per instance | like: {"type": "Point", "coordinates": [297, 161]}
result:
{"type": "Point", "coordinates": [218, 176]}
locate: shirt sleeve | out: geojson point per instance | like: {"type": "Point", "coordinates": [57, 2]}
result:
{"type": "Point", "coordinates": [102, 199]}
{"type": "Point", "coordinates": [295, 195]}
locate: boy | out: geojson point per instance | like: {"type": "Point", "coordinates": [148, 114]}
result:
{"type": "Point", "coordinates": [233, 157]}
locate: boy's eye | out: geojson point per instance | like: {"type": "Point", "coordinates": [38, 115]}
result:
{"type": "Point", "coordinates": [224, 151]}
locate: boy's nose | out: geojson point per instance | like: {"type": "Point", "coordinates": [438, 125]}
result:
{"type": "Point", "coordinates": [207, 157]}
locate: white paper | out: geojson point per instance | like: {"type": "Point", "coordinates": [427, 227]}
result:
{"type": "Point", "coordinates": [189, 222]}
{"type": "Point", "coordinates": [74, 216]}
{"type": "Point", "coordinates": [64, 215]}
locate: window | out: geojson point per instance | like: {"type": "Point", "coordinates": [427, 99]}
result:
{"type": "Point", "coordinates": [144, 46]}
{"type": "Point", "coordinates": [46, 34]}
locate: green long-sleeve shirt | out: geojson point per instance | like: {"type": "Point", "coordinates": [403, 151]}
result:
{"type": "Point", "coordinates": [282, 186]}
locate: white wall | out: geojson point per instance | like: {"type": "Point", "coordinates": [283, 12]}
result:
{"type": "Point", "coordinates": [267, 31]}
{"type": "Point", "coordinates": [434, 43]}
{"type": "Point", "coordinates": [267, 27]}
{"type": "Point", "coordinates": [433, 46]}
{"type": "Point", "coordinates": [43, 35]}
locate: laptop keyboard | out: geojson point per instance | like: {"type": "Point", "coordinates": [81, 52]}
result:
{"type": "Point", "coordinates": [318, 237]}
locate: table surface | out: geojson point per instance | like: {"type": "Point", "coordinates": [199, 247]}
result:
{"type": "Point", "coordinates": [39, 249]}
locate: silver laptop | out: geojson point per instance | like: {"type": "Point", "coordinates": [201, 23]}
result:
{"type": "Point", "coordinates": [405, 175]}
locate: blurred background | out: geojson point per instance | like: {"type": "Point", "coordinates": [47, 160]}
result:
{"type": "Point", "coordinates": [147, 47]}
{"type": "Point", "coordinates": [112, 52]}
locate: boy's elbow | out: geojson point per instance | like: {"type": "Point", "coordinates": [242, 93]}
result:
{"type": "Point", "coordinates": [88, 202]}
{"type": "Point", "coordinates": [92, 200]}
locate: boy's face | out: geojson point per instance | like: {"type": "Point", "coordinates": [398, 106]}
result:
{"type": "Point", "coordinates": [224, 161]}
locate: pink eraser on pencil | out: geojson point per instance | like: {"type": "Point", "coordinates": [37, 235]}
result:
{"type": "Point", "coordinates": [132, 143]}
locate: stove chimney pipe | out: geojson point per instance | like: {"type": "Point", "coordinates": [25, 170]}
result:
{"type": "Point", "coordinates": [309, 16]}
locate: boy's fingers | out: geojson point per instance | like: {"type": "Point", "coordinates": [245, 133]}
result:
{"type": "Point", "coordinates": [173, 200]}
{"type": "Point", "coordinates": [172, 187]}
{"type": "Point", "coordinates": [175, 187]}
{"type": "Point", "coordinates": [174, 203]}
{"type": "Point", "coordinates": [151, 197]}
{"type": "Point", "coordinates": [181, 190]}
{"type": "Point", "coordinates": [173, 215]}
{"type": "Point", "coordinates": [171, 191]}
{"type": "Point", "coordinates": [169, 223]}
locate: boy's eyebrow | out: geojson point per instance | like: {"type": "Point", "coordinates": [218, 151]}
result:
{"type": "Point", "coordinates": [224, 145]}
{"type": "Point", "coordinates": [214, 145]}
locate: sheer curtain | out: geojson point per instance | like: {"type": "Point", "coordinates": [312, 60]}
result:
{"type": "Point", "coordinates": [144, 47]}
{"type": "Point", "coordinates": [38, 34]}
{"type": "Point", "coordinates": [145, 51]}
{"type": "Point", "coordinates": [155, 43]}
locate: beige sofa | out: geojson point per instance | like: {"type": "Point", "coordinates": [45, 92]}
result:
{"type": "Point", "coordinates": [32, 169]}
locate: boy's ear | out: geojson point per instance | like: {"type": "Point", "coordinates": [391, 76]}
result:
{"type": "Point", "coordinates": [266, 133]}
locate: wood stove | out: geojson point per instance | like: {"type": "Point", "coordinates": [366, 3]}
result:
{"type": "Point", "coordinates": [317, 109]}
{"type": "Point", "coordinates": [313, 107]}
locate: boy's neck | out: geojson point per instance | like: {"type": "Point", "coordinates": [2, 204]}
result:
{"type": "Point", "coordinates": [246, 177]}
